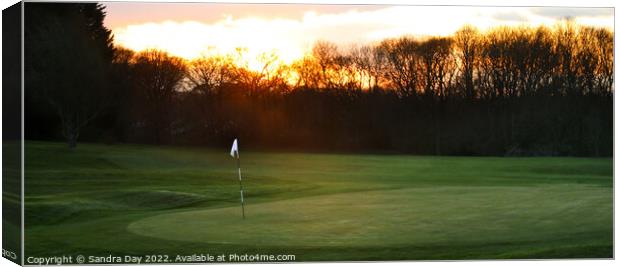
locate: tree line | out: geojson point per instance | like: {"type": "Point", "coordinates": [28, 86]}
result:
{"type": "Point", "coordinates": [506, 91]}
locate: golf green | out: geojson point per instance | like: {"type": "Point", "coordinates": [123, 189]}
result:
{"type": "Point", "coordinates": [143, 200]}
{"type": "Point", "coordinates": [425, 216]}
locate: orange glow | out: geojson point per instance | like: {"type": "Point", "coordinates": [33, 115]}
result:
{"type": "Point", "coordinates": [290, 38]}
{"type": "Point", "coordinates": [190, 40]}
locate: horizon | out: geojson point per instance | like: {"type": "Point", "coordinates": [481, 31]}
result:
{"type": "Point", "coordinates": [192, 30]}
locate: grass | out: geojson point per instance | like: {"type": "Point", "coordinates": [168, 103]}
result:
{"type": "Point", "coordinates": [139, 200]}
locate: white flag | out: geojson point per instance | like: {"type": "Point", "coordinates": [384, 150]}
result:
{"type": "Point", "coordinates": [234, 149]}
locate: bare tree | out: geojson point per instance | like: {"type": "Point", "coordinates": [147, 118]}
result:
{"type": "Point", "coordinates": [307, 73]}
{"type": "Point", "coordinates": [402, 64]}
{"type": "Point", "coordinates": [467, 41]}
{"type": "Point", "coordinates": [436, 55]}
{"type": "Point", "coordinates": [326, 55]}
{"type": "Point", "coordinates": [594, 51]}
{"type": "Point", "coordinates": [207, 74]}
{"type": "Point", "coordinates": [157, 79]}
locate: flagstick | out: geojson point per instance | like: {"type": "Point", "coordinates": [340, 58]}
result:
{"type": "Point", "coordinates": [240, 185]}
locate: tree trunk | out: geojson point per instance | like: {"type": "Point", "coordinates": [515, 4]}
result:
{"type": "Point", "coordinates": [72, 141]}
{"type": "Point", "coordinates": [71, 131]}
{"type": "Point", "coordinates": [437, 116]}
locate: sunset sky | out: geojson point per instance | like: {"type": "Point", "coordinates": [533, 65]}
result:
{"type": "Point", "coordinates": [191, 29]}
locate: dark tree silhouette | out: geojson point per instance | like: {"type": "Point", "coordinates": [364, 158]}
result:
{"type": "Point", "coordinates": [157, 79]}
{"type": "Point", "coordinates": [508, 91]}
{"type": "Point", "coordinates": [467, 42]}
{"type": "Point", "coordinates": [402, 64]}
{"type": "Point", "coordinates": [68, 53]}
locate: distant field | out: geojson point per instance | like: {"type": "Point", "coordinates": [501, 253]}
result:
{"type": "Point", "coordinates": [139, 200]}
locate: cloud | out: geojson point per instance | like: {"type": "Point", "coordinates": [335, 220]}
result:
{"type": "Point", "coordinates": [291, 37]}
{"type": "Point", "coordinates": [564, 12]}
{"type": "Point", "coordinates": [513, 16]}
{"type": "Point", "coordinates": [124, 13]}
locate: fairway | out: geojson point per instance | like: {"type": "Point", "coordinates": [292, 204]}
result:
{"type": "Point", "coordinates": [138, 200]}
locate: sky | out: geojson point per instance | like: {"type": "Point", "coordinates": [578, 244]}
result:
{"type": "Point", "coordinates": [190, 30]}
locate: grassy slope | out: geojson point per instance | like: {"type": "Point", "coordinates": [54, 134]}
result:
{"type": "Point", "coordinates": [126, 199]}
{"type": "Point", "coordinates": [11, 197]}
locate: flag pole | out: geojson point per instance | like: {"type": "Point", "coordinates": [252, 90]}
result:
{"type": "Point", "coordinates": [240, 185]}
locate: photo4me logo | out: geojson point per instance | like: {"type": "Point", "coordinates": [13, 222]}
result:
{"type": "Point", "coordinates": [259, 258]}
{"type": "Point", "coordinates": [9, 254]}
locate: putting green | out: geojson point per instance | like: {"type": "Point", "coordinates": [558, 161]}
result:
{"type": "Point", "coordinates": [415, 216]}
